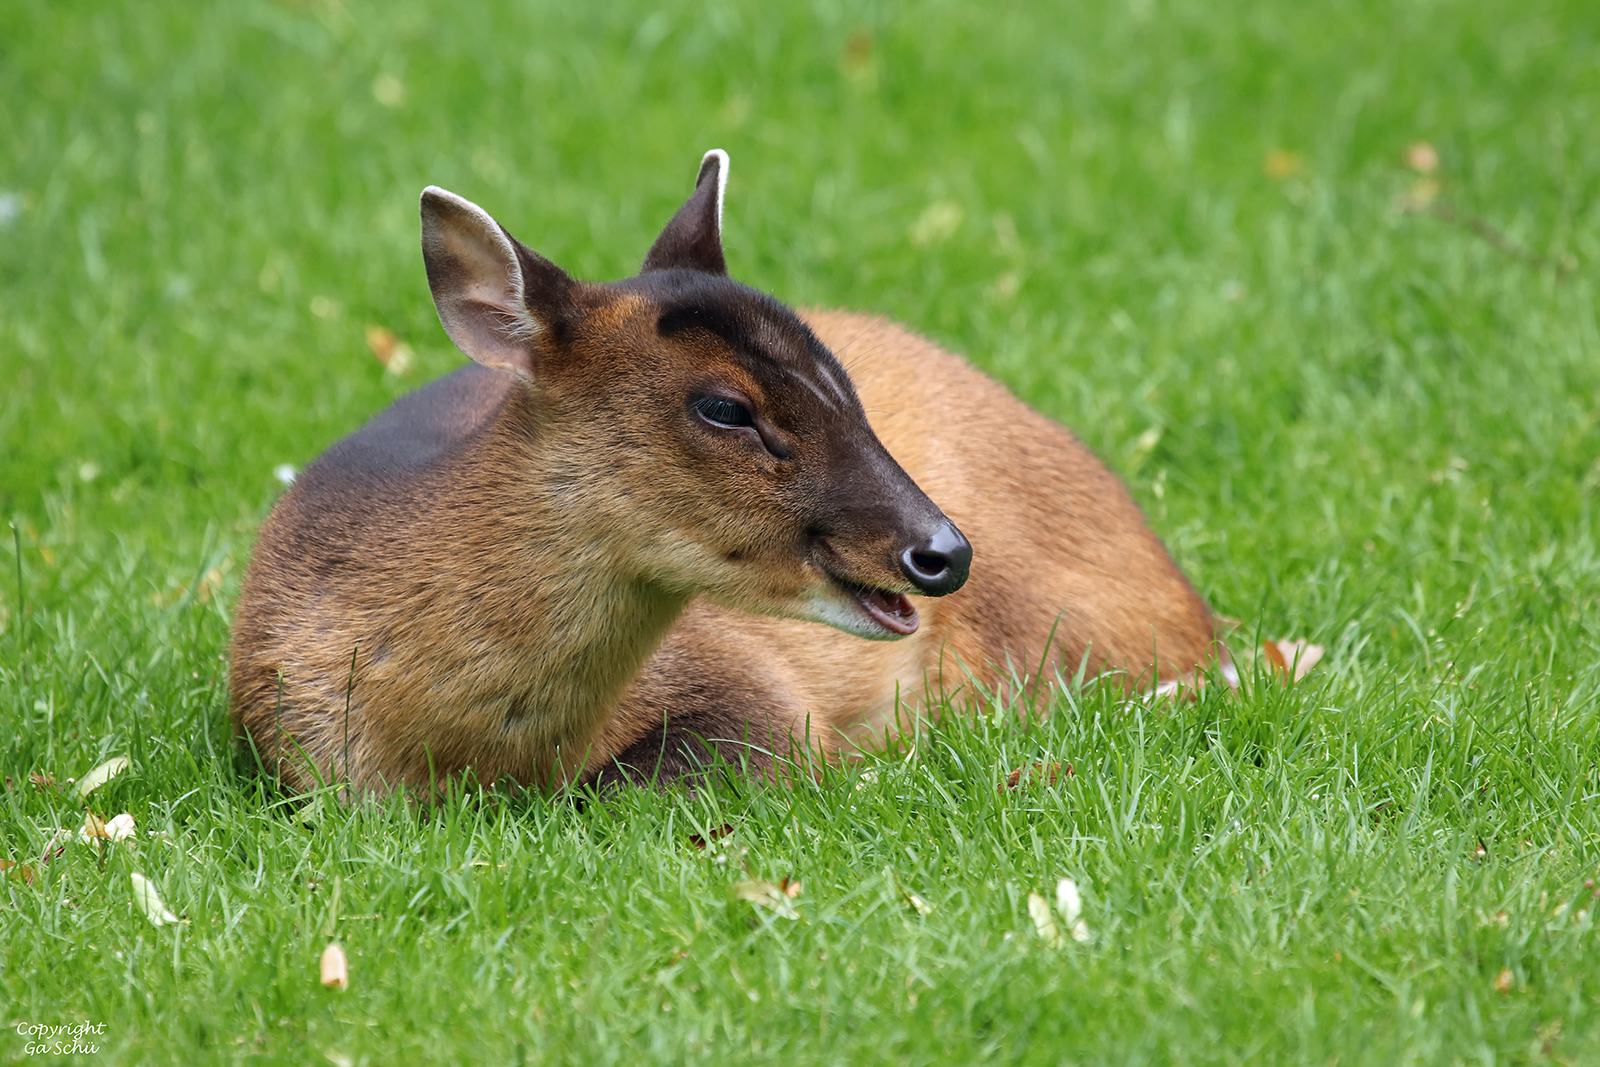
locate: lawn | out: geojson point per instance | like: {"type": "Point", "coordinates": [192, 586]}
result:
{"type": "Point", "coordinates": [1358, 395]}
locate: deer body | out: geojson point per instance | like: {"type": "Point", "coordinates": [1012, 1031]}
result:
{"type": "Point", "coordinates": [603, 549]}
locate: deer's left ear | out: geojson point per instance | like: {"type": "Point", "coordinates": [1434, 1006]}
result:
{"type": "Point", "coordinates": [693, 239]}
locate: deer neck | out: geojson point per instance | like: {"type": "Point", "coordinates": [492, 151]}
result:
{"type": "Point", "coordinates": [550, 619]}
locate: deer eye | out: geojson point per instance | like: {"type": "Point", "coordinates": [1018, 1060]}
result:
{"type": "Point", "coordinates": [720, 411]}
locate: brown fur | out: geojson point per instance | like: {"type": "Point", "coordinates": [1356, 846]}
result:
{"type": "Point", "coordinates": [497, 598]}
{"type": "Point", "coordinates": [556, 567]}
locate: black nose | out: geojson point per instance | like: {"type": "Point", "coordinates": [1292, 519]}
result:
{"type": "Point", "coordinates": [938, 565]}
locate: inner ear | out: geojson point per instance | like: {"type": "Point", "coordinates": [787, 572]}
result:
{"type": "Point", "coordinates": [693, 239]}
{"type": "Point", "coordinates": [499, 301]}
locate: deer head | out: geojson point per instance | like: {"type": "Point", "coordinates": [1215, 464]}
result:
{"type": "Point", "coordinates": [697, 433]}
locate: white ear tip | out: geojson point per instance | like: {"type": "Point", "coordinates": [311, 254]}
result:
{"type": "Point", "coordinates": [722, 179]}
{"type": "Point", "coordinates": [445, 196]}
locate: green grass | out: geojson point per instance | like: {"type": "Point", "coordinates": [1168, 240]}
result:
{"type": "Point", "coordinates": [1369, 427]}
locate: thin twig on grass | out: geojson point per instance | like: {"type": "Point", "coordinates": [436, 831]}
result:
{"type": "Point", "coordinates": [1491, 233]}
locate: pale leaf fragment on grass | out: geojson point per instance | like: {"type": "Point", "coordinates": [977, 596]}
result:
{"type": "Point", "coordinates": [148, 900]}
{"type": "Point", "coordinates": [1070, 905]}
{"type": "Point", "coordinates": [1292, 659]}
{"type": "Point", "coordinates": [1422, 157]}
{"type": "Point", "coordinates": [102, 774]}
{"type": "Point", "coordinates": [778, 899]}
{"type": "Point", "coordinates": [335, 968]}
{"type": "Point", "coordinates": [938, 222]}
{"type": "Point", "coordinates": [1044, 921]}
{"type": "Point", "coordinates": [117, 828]}
{"type": "Point", "coordinates": [395, 355]}
{"type": "Point", "coordinates": [1505, 980]}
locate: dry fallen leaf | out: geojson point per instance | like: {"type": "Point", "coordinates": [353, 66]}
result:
{"type": "Point", "coordinates": [857, 54]}
{"type": "Point", "coordinates": [102, 774]}
{"type": "Point", "coordinates": [1044, 921]}
{"type": "Point", "coordinates": [395, 355]}
{"type": "Point", "coordinates": [119, 828]}
{"type": "Point", "coordinates": [335, 968]}
{"type": "Point", "coordinates": [714, 834]}
{"type": "Point", "coordinates": [1049, 773]}
{"type": "Point", "coordinates": [1421, 157]}
{"type": "Point", "coordinates": [42, 781]}
{"type": "Point", "coordinates": [1292, 660]}
{"type": "Point", "coordinates": [1282, 163]}
{"type": "Point", "coordinates": [147, 900]}
{"type": "Point", "coordinates": [778, 899]}
{"type": "Point", "coordinates": [13, 869]}
{"type": "Point", "coordinates": [1505, 980]}
{"type": "Point", "coordinates": [920, 906]}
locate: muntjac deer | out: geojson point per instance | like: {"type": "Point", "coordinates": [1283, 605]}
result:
{"type": "Point", "coordinates": [600, 551]}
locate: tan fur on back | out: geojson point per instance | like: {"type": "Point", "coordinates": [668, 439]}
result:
{"type": "Point", "coordinates": [1059, 549]}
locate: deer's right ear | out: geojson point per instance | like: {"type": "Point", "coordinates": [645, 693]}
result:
{"type": "Point", "coordinates": [500, 302]}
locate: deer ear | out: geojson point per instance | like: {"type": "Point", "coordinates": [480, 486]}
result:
{"type": "Point", "coordinates": [693, 239]}
{"type": "Point", "coordinates": [500, 302]}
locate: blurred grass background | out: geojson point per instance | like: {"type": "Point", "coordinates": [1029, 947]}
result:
{"type": "Point", "coordinates": [1075, 197]}
{"type": "Point", "coordinates": [1181, 228]}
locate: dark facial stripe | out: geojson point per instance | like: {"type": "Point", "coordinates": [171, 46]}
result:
{"type": "Point", "coordinates": [753, 324]}
{"type": "Point", "coordinates": [725, 322]}
{"type": "Point", "coordinates": [741, 333]}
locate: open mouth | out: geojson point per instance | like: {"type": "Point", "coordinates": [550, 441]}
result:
{"type": "Point", "coordinates": [892, 611]}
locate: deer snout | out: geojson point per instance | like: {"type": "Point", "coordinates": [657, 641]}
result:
{"type": "Point", "coordinates": [939, 564]}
